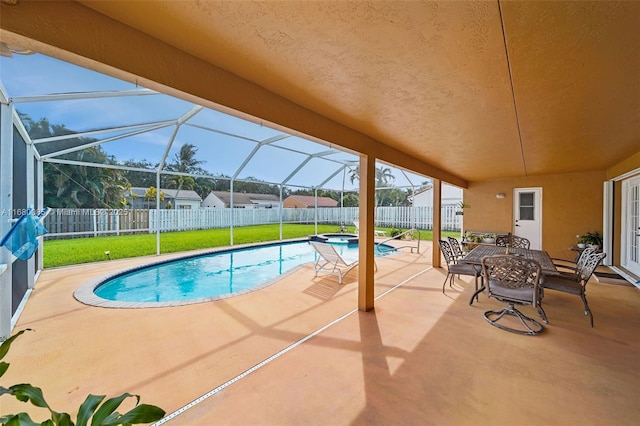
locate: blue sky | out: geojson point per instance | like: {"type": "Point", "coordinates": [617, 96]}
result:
{"type": "Point", "coordinates": [33, 75]}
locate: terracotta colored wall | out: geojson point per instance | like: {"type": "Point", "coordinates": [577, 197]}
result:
{"type": "Point", "coordinates": [571, 205]}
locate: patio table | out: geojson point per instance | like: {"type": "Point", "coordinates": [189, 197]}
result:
{"type": "Point", "coordinates": [475, 256]}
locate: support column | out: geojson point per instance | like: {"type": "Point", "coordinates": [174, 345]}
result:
{"type": "Point", "coordinates": [40, 207]}
{"type": "Point", "coordinates": [6, 209]}
{"type": "Point", "coordinates": [437, 222]}
{"type": "Point", "coordinates": [31, 202]}
{"type": "Point", "coordinates": [366, 268]}
{"type": "Point", "coordinates": [158, 211]}
{"type": "Point", "coordinates": [280, 213]}
{"type": "Point", "coordinates": [231, 222]}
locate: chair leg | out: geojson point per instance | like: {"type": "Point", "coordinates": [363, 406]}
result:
{"type": "Point", "coordinates": [532, 327]}
{"type": "Point", "coordinates": [542, 313]}
{"type": "Point", "coordinates": [445, 282]}
{"type": "Point", "coordinates": [478, 290]}
{"type": "Point", "coordinates": [587, 311]}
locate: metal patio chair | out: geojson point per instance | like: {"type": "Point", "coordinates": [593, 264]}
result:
{"type": "Point", "coordinates": [516, 281]}
{"type": "Point", "coordinates": [455, 267]}
{"type": "Point", "coordinates": [576, 283]}
{"type": "Point", "coordinates": [456, 247]}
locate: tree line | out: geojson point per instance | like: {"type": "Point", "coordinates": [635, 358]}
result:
{"type": "Point", "coordinates": [81, 186]}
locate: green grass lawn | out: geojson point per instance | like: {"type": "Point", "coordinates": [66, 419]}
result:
{"type": "Point", "coordinates": [84, 250]}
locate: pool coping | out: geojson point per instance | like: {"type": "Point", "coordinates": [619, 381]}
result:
{"type": "Point", "coordinates": [85, 293]}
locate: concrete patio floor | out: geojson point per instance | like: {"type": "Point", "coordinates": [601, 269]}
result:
{"type": "Point", "coordinates": [420, 357]}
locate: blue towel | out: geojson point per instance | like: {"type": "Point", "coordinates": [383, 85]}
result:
{"type": "Point", "coordinates": [22, 238]}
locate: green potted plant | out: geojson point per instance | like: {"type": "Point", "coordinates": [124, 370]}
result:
{"type": "Point", "coordinates": [591, 239]}
{"type": "Point", "coordinates": [461, 206]}
{"type": "Point", "coordinates": [488, 238]}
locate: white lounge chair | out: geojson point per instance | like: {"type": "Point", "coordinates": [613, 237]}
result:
{"type": "Point", "coordinates": [376, 232]}
{"type": "Point", "coordinates": [330, 262]}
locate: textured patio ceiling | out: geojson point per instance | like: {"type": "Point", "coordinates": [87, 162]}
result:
{"type": "Point", "coordinates": [479, 90]}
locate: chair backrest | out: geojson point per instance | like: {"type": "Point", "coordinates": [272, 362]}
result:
{"type": "Point", "coordinates": [328, 253]}
{"type": "Point", "coordinates": [520, 242]}
{"type": "Point", "coordinates": [512, 241]}
{"type": "Point", "coordinates": [455, 246]}
{"type": "Point", "coordinates": [447, 252]}
{"type": "Point", "coordinates": [590, 265]}
{"type": "Point", "coordinates": [503, 240]}
{"type": "Point", "coordinates": [582, 259]}
{"type": "Point", "coordinates": [513, 273]}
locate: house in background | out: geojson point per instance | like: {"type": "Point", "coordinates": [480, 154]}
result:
{"type": "Point", "coordinates": [307, 202]}
{"type": "Point", "coordinates": [424, 197]}
{"type": "Point", "coordinates": [222, 199]}
{"type": "Point", "coordinates": [183, 199]}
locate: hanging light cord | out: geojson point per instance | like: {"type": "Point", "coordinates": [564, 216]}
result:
{"type": "Point", "coordinates": [513, 91]}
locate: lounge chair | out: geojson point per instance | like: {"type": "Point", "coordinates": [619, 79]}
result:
{"type": "Point", "coordinates": [330, 262]}
{"type": "Point", "coordinates": [376, 232]}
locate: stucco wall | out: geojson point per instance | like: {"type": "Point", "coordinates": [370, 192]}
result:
{"type": "Point", "coordinates": [571, 205]}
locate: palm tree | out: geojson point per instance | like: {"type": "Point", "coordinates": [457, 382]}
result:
{"type": "Point", "coordinates": [151, 194]}
{"type": "Point", "coordinates": [184, 162]}
{"type": "Point", "coordinates": [384, 176]}
{"type": "Point", "coordinates": [180, 182]}
{"type": "Point", "coordinates": [73, 186]}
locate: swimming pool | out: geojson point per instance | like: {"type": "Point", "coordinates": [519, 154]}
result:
{"type": "Point", "coordinates": [202, 278]}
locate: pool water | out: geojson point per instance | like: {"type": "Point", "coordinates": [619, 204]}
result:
{"type": "Point", "coordinates": [214, 274]}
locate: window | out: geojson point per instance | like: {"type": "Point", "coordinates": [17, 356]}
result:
{"type": "Point", "coordinates": [527, 207]}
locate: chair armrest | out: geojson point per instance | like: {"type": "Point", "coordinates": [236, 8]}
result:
{"type": "Point", "coordinates": [564, 263]}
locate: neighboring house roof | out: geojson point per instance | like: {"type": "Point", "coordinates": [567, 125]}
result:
{"type": "Point", "coordinates": [420, 191]}
{"type": "Point", "coordinates": [183, 194]}
{"type": "Point", "coordinates": [310, 201]}
{"type": "Point", "coordinates": [244, 198]}
{"type": "Point", "coordinates": [447, 192]}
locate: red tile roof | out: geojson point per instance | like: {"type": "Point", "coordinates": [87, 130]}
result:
{"type": "Point", "coordinates": [309, 201]}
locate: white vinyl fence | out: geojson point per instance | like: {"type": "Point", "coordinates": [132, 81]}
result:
{"type": "Point", "coordinates": [74, 223]}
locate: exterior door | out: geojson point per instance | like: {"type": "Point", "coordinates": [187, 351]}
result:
{"type": "Point", "coordinates": [527, 214]}
{"type": "Point", "coordinates": [630, 258]}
